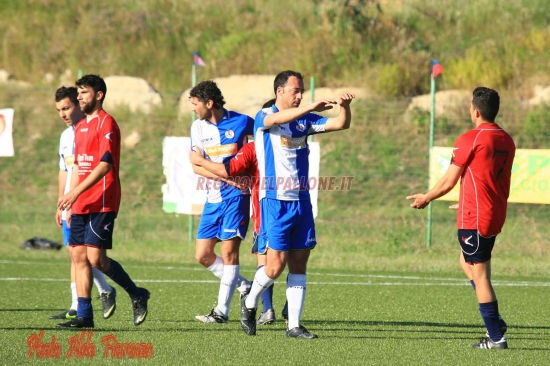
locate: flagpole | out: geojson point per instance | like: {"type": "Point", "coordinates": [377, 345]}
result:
{"type": "Point", "coordinates": [431, 144]}
{"type": "Point", "coordinates": [193, 117]}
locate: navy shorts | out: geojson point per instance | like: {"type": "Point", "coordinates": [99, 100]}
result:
{"type": "Point", "coordinates": [475, 248]}
{"type": "Point", "coordinates": [94, 229]}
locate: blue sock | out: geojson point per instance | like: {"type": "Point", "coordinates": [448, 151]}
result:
{"type": "Point", "coordinates": [84, 309]}
{"type": "Point", "coordinates": [489, 313]}
{"type": "Point", "coordinates": [267, 297]}
{"type": "Point", "coordinates": [121, 278]}
{"type": "Point", "coordinates": [473, 284]}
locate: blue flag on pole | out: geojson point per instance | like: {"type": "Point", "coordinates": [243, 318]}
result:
{"type": "Point", "coordinates": [197, 60]}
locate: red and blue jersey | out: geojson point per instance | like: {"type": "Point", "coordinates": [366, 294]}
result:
{"type": "Point", "coordinates": [487, 154]}
{"type": "Point", "coordinates": [98, 139]}
{"type": "Point", "coordinates": [245, 163]}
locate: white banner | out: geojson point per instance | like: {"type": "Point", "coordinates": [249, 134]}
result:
{"type": "Point", "coordinates": [180, 194]}
{"type": "Point", "coordinates": [6, 128]}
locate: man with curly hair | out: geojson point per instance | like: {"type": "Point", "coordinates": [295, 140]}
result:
{"type": "Point", "coordinates": [219, 134]}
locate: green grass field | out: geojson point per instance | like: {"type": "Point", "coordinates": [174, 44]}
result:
{"type": "Point", "coordinates": [377, 295]}
{"type": "Point", "coordinates": [374, 318]}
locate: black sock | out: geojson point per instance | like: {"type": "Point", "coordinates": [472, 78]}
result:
{"type": "Point", "coordinates": [121, 278]}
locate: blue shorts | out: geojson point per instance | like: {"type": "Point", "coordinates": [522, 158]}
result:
{"type": "Point", "coordinates": [94, 229]}
{"type": "Point", "coordinates": [290, 223]}
{"type": "Point", "coordinates": [66, 232]}
{"type": "Point", "coordinates": [475, 248]}
{"type": "Point", "coordinates": [225, 220]}
{"type": "Point", "coordinates": [258, 243]}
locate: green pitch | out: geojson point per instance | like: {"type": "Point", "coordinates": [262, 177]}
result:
{"type": "Point", "coordinates": [361, 318]}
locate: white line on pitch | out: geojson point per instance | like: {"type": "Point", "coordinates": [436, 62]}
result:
{"type": "Point", "coordinates": [368, 283]}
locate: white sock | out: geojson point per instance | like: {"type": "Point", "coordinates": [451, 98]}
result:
{"type": "Point", "coordinates": [74, 297]}
{"type": "Point", "coordinates": [217, 267]}
{"type": "Point", "coordinates": [295, 294]}
{"type": "Point", "coordinates": [227, 288]}
{"type": "Point", "coordinates": [260, 284]}
{"type": "Point", "coordinates": [100, 281]}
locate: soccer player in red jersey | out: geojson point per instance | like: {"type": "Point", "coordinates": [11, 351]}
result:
{"type": "Point", "coordinates": [93, 202]}
{"type": "Point", "coordinates": [67, 106]}
{"type": "Point", "coordinates": [483, 159]}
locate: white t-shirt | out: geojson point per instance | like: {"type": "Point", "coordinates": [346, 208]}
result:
{"type": "Point", "coordinates": [66, 157]}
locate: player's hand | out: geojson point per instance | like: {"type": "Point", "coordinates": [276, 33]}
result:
{"type": "Point", "coordinates": [420, 201]}
{"type": "Point", "coordinates": [323, 105]}
{"type": "Point", "coordinates": [59, 217]}
{"type": "Point", "coordinates": [454, 207]}
{"type": "Point", "coordinates": [66, 202]}
{"type": "Point", "coordinates": [195, 155]}
{"type": "Point", "coordinates": [345, 99]}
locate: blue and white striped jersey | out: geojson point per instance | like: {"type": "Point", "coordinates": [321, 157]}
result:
{"type": "Point", "coordinates": [282, 153]}
{"type": "Point", "coordinates": [219, 143]}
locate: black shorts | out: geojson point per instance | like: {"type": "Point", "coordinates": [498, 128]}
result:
{"type": "Point", "coordinates": [475, 248]}
{"type": "Point", "coordinates": [94, 229]}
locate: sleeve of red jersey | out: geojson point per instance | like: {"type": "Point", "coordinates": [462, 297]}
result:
{"type": "Point", "coordinates": [240, 163]}
{"type": "Point", "coordinates": [109, 139]}
{"type": "Point", "coordinates": [462, 150]}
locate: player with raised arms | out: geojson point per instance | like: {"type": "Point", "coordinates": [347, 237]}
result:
{"type": "Point", "coordinates": [286, 213]}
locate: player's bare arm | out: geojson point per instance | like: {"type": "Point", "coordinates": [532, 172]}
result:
{"type": "Point", "coordinates": [95, 176]}
{"type": "Point", "coordinates": [289, 115]}
{"type": "Point", "coordinates": [196, 158]}
{"type": "Point", "coordinates": [343, 120]}
{"type": "Point", "coordinates": [441, 188]}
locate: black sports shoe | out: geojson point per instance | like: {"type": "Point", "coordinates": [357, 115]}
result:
{"type": "Point", "coordinates": [69, 314]}
{"type": "Point", "coordinates": [488, 343]}
{"type": "Point", "coordinates": [108, 300]}
{"type": "Point", "coordinates": [140, 307]}
{"type": "Point", "coordinates": [503, 327]}
{"type": "Point", "coordinates": [300, 332]}
{"type": "Point", "coordinates": [248, 317]}
{"type": "Point", "coordinates": [77, 322]}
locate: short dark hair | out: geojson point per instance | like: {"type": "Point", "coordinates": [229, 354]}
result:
{"type": "Point", "coordinates": [269, 103]}
{"type": "Point", "coordinates": [487, 102]}
{"type": "Point", "coordinates": [95, 82]}
{"type": "Point", "coordinates": [282, 78]}
{"type": "Point", "coordinates": [208, 90]}
{"type": "Point", "coordinates": [69, 92]}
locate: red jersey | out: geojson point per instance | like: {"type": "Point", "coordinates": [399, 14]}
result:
{"type": "Point", "coordinates": [245, 163]}
{"type": "Point", "coordinates": [98, 140]}
{"type": "Point", "coordinates": [487, 154]}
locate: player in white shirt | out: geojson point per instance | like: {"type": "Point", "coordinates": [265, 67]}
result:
{"type": "Point", "coordinates": [287, 226]}
{"type": "Point", "coordinates": [219, 134]}
{"type": "Point", "coordinates": [69, 111]}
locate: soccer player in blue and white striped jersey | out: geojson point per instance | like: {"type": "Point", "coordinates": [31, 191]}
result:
{"type": "Point", "coordinates": [280, 135]}
{"type": "Point", "coordinates": [219, 134]}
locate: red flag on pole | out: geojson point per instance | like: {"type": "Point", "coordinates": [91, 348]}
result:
{"type": "Point", "coordinates": [437, 69]}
